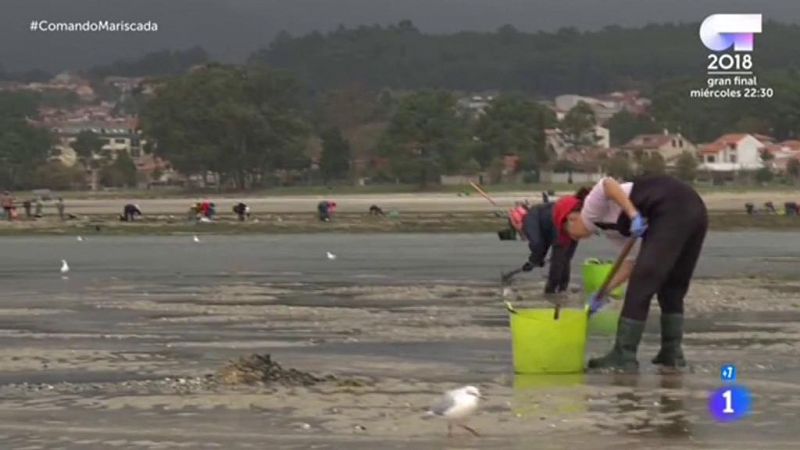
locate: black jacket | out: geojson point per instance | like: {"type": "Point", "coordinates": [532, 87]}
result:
{"type": "Point", "coordinates": [540, 232]}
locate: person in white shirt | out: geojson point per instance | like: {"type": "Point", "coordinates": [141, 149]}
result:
{"type": "Point", "coordinates": [671, 220]}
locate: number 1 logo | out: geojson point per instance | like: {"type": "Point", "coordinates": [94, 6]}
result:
{"type": "Point", "coordinates": [730, 403]}
{"type": "Point", "coordinates": [728, 396]}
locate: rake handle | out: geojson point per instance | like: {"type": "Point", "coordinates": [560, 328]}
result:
{"type": "Point", "coordinates": [626, 249]}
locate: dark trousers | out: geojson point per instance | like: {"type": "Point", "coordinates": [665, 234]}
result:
{"type": "Point", "coordinates": [559, 274]}
{"type": "Point", "coordinates": [667, 259]}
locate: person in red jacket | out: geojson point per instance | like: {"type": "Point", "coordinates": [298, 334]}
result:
{"type": "Point", "coordinates": [544, 227]}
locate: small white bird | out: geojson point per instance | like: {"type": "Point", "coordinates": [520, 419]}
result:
{"type": "Point", "coordinates": [79, 238]}
{"type": "Point", "coordinates": [64, 266]}
{"type": "Point", "coordinates": [330, 255]}
{"type": "Point", "coordinates": [507, 292]}
{"type": "Point", "coordinates": [195, 238]}
{"type": "Point", "coordinates": [456, 406]}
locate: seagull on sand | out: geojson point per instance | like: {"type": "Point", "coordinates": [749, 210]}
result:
{"type": "Point", "coordinates": [64, 267]}
{"type": "Point", "coordinates": [330, 255]}
{"type": "Point", "coordinates": [79, 238]}
{"type": "Point", "coordinates": [456, 406]}
{"type": "Point", "coordinates": [195, 238]}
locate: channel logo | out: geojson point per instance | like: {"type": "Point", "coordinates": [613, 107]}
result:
{"type": "Point", "coordinates": [719, 32]}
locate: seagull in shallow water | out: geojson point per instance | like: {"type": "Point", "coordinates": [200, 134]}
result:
{"type": "Point", "coordinates": [195, 238]}
{"type": "Point", "coordinates": [79, 238]}
{"type": "Point", "coordinates": [456, 406]}
{"type": "Point", "coordinates": [330, 255]}
{"type": "Point", "coordinates": [64, 266]}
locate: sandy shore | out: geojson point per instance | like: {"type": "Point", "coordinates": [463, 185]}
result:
{"type": "Point", "coordinates": [423, 212]}
{"type": "Point", "coordinates": [448, 222]}
{"type": "Point", "coordinates": [404, 203]}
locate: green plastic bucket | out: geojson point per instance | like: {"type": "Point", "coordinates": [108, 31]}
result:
{"type": "Point", "coordinates": [543, 344]}
{"type": "Point", "coordinates": [594, 274]}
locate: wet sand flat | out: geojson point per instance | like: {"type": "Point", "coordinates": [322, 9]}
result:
{"type": "Point", "coordinates": [118, 354]}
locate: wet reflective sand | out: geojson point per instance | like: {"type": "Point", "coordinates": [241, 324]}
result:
{"type": "Point", "coordinates": [116, 355]}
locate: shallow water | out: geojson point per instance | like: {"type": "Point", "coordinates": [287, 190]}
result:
{"type": "Point", "coordinates": [416, 313]}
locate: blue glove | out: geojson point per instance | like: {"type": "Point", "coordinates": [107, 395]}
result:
{"type": "Point", "coordinates": [638, 226]}
{"type": "Point", "coordinates": [596, 303]}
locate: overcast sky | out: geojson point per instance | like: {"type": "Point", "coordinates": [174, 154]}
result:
{"type": "Point", "coordinates": [231, 29]}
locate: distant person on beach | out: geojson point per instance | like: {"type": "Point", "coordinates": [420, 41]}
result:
{"type": "Point", "coordinates": [206, 210]}
{"type": "Point", "coordinates": [242, 211]}
{"type": "Point", "coordinates": [39, 206]}
{"type": "Point", "coordinates": [60, 206]}
{"type": "Point", "coordinates": [325, 210]}
{"type": "Point", "coordinates": [130, 212]}
{"type": "Point", "coordinates": [27, 206]}
{"type": "Point", "coordinates": [7, 201]}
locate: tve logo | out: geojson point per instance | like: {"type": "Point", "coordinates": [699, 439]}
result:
{"type": "Point", "coordinates": [720, 32]}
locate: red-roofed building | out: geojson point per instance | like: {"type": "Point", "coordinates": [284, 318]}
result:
{"type": "Point", "coordinates": [783, 153]}
{"type": "Point", "coordinates": [766, 140]}
{"type": "Point", "coordinates": [791, 145]}
{"type": "Point", "coordinates": [732, 152]}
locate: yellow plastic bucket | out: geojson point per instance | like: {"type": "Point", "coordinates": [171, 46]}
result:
{"type": "Point", "coordinates": [543, 344]}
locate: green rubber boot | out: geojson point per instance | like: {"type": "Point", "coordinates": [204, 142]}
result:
{"type": "Point", "coordinates": [671, 353]}
{"type": "Point", "coordinates": [623, 356]}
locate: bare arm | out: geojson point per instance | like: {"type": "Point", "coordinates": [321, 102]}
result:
{"type": "Point", "coordinates": [614, 191]}
{"type": "Point", "coordinates": [621, 276]}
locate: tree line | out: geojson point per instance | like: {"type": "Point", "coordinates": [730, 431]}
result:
{"type": "Point", "coordinates": [401, 57]}
{"type": "Point", "coordinates": [247, 123]}
{"type": "Point", "coordinates": [23, 148]}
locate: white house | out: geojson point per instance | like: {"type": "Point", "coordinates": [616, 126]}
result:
{"type": "Point", "coordinates": [668, 145]}
{"type": "Point", "coordinates": [603, 136]}
{"type": "Point", "coordinates": [558, 147]}
{"type": "Point", "coordinates": [732, 152]}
